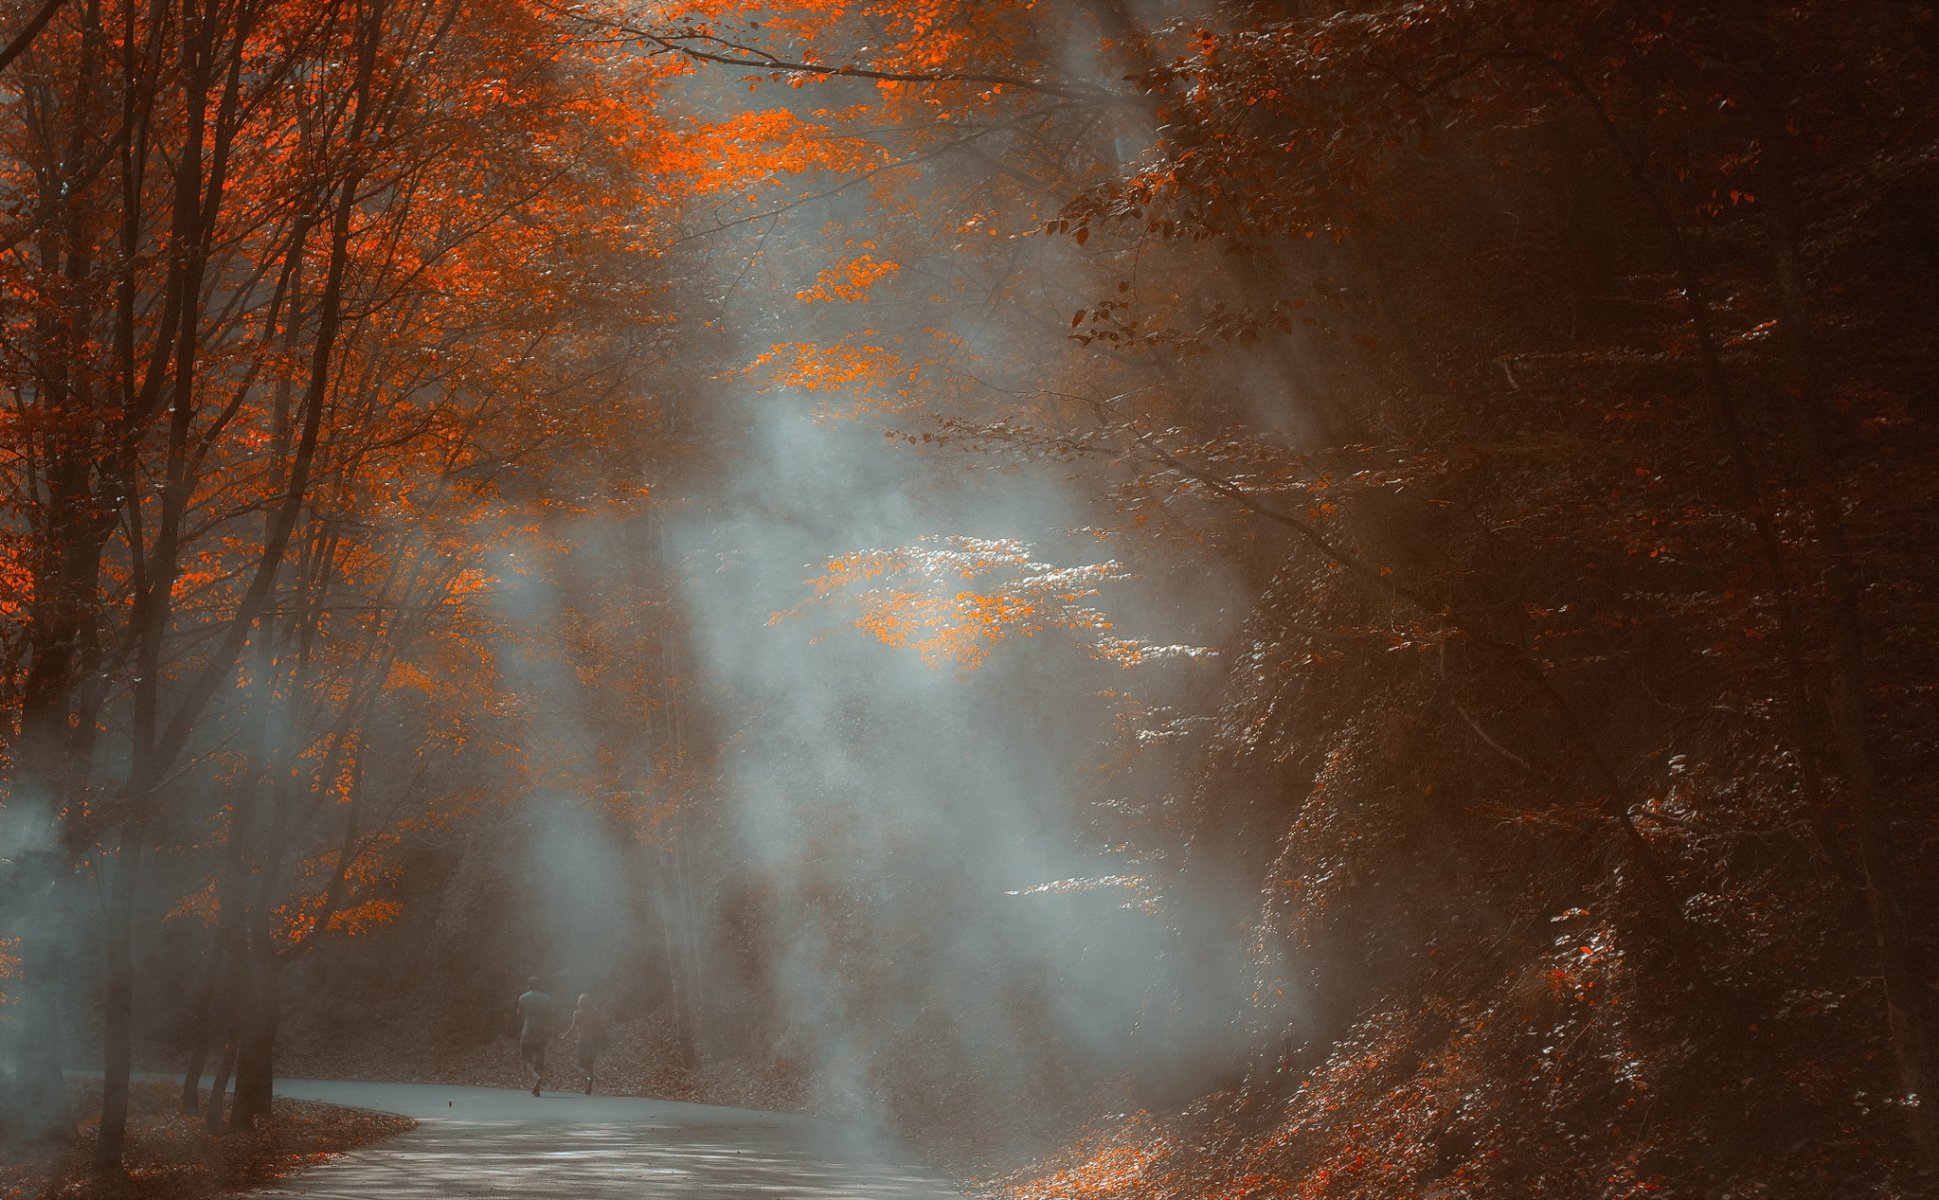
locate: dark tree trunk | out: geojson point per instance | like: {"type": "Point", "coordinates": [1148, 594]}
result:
{"type": "Point", "coordinates": [219, 999]}
{"type": "Point", "coordinates": [672, 941]}
{"type": "Point", "coordinates": [205, 1025]}
{"type": "Point", "coordinates": [117, 1003]}
{"type": "Point", "coordinates": [256, 1043]}
{"type": "Point", "coordinates": [219, 1086]}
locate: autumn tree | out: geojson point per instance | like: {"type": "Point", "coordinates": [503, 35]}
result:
{"type": "Point", "coordinates": [276, 336]}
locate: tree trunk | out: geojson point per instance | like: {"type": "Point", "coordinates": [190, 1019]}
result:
{"type": "Point", "coordinates": [117, 1003]}
{"type": "Point", "coordinates": [219, 1086]}
{"type": "Point", "coordinates": [672, 938]}
{"type": "Point", "coordinates": [199, 1052]}
{"type": "Point", "coordinates": [220, 1003]}
{"type": "Point", "coordinates": [256, 1044]}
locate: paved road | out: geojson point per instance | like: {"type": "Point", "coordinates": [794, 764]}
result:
{"type": "Point", "coordinates": [474, 1143]}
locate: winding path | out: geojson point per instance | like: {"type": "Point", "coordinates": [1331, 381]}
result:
{"type": "Point", "coordinates": [474, 1143]}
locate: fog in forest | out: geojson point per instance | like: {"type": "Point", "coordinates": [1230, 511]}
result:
{"type": "Point", "coordinates": [1130, 598]}
{"type": "Point", "coordinates": [930, 845]}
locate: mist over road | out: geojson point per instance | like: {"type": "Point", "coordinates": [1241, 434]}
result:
{"type": "Point", "coordinates": [493, 1142]}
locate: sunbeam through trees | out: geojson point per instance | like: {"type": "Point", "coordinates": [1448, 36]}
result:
{"type": "Point", "coordinates": [1142, 599]}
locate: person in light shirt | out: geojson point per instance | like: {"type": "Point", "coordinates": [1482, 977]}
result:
{"type": "Point", "coordinates": [536, 1023]}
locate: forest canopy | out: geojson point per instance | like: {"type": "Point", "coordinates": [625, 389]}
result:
{"type": "Point", "coordinates": [1216, 598]}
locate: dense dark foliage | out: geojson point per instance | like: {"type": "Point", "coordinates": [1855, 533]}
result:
{"type": "Point", "coordinates": [1577, 745]}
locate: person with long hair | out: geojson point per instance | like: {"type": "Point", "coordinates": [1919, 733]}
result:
{"type": "Point", "coordinates": [589, 1026]}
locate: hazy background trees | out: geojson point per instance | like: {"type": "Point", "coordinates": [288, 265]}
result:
{"type": "Point", "coordinates": [991, 564]}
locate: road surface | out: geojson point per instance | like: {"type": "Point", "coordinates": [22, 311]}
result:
{"type": "Point", "coordinates": [474, 1143]}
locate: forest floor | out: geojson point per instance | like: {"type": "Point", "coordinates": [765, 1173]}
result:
{"type": "Point", "coordinates": [172, 1157]}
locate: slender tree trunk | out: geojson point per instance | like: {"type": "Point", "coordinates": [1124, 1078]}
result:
{"type": "Point", "coordinates": [673, 938]}
{"type": "Point", "coordinates": [695, 981]}
{"type": "Point", "coordinates": [204, 1013]}
{"type": "Point", "coordinates": [219, 1085]}
{"type": "Point", "coordinates": [197, 188]}
{"type": "Point", "coordinates": [258, 991]}
{"type": "Point", "coordinates": [117, 1002]}
{"type": "Point", "coordinates": [256, 1043]}
{"type": "Point", "coordinates": [232, 886]}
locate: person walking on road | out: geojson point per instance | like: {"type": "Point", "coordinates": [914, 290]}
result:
{"type": "Point", "coordinates": [535, 1013]}
{"type": "Point", "coordinates": [589, 1025]}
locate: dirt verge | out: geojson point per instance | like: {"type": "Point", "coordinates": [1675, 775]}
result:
{"type": "Point", "coordinates": [170, 1156]}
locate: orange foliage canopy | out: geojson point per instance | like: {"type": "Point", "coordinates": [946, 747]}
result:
{"type": "Point", "coordinates": [914, 596]}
